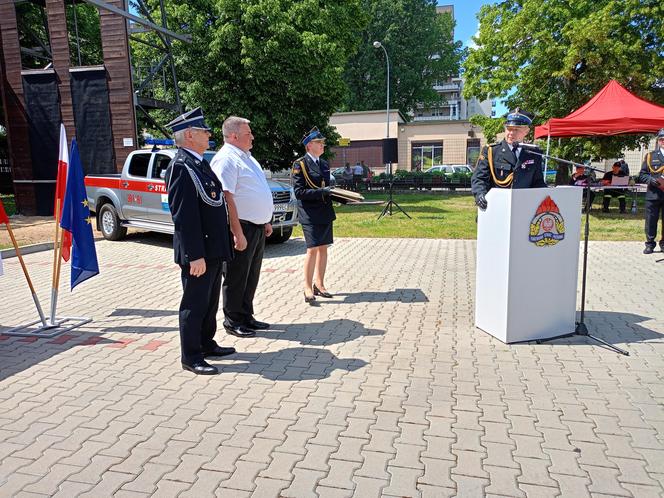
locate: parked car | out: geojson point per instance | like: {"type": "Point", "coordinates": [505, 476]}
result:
{"type": "Point", "coordinates": [137, 198]}
{"type": "Point", "coordinates": [450, 169]}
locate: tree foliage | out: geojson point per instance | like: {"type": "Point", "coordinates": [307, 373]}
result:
{"type": "Point", "coordinates": [421, 49]}
{"type": "Point", "coordinates": [33, 35]}
{"type": "Point", "coordinates": [557, 54]}
{"type": "Point", "coordinates": [278, 63]}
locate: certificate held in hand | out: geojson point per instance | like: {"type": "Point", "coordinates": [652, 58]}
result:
{"type": "Point", "coordinates": [344, 196]}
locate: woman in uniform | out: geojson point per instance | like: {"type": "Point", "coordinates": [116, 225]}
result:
{"type": "Point", "coordinates": [311, 183]}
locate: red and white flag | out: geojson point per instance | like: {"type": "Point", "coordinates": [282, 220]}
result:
{"type": "Point", "coordinates": [4, 219]}
{"type": "Point", "coordinates": [60, 188]}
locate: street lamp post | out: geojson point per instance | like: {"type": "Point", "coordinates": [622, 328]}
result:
{"type": "Point", "coordinates": [378, 44]}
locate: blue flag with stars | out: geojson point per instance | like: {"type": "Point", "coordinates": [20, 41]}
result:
{"type": "Point", "coordinates": [76, 220]}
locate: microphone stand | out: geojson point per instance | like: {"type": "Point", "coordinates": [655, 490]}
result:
{"type": "Point", "coordinates": [581, 328]}
{"type": "Point", "coordinates": [388, 207]}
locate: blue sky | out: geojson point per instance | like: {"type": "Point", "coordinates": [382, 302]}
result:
{"type": "Point", "coordinates": [465, 14]}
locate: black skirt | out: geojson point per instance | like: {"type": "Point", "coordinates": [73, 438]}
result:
{"type": "Point", "coordinates": [317, 235]}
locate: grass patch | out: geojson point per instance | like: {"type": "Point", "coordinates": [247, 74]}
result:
{"type": "Point", "coordinates": [9, 202]}
{"type": "Point", "coordinates": [452, 216]}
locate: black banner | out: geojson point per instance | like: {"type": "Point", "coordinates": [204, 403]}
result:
{"type": "Point", "coordinates": [92, 114]}
{"type": "Point", "coordinates": [42, 103]}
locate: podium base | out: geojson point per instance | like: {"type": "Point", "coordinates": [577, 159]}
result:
{"type": "Point", "coordinates": [59, 325]}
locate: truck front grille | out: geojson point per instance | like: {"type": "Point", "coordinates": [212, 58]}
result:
{"type": "Point", "coordinates": [281, 197]}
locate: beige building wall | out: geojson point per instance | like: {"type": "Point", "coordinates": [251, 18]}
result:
{"type": "Point", "coordinates": [453, 134]}
{"type": "Point", "coordinates": [366, 125]}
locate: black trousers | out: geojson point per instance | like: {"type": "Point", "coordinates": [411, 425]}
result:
{"type": "Point", "coordinates": [654, 210]}
{"type": "Point", "coordinates": [242, 274]}
{"type": "Point", "coordinates": [198, 310]}
{"type": "Point", "coordinates": [620, 194]}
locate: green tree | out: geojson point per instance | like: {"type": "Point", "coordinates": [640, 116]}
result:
{"type": "Point", "coordinates": [83, 19]}
{"type": "Point", "coordinates": [421, 48]}
{"type": "Point", "coordinates": [278, 63]}
{"type": "Point", "coordinates": [552, 56]}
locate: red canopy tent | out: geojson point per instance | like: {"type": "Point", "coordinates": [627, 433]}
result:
{"type": "Point", "coordinates": [613, 111]}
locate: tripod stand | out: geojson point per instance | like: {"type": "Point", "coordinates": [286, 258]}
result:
{"type": "Point", "coordinates": [391, 202]}
{"type": "Point", "coordinates": [581, 328]}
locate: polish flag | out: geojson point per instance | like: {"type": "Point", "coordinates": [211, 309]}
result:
{"type": "Point", "coordinates": [60, 187]}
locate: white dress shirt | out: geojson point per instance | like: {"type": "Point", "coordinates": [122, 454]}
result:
{"type": "Point", "coordinates": [242, 176]}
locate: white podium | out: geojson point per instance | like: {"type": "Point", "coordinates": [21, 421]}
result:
{"type": "Point", "coordinates": [527, 263]}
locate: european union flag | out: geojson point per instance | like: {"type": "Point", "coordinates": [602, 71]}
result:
{"type": "Point", "coordinates": [76, 220]}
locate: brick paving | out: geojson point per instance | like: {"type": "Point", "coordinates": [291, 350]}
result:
{"type": "Point", "coordinates": [385, 390]}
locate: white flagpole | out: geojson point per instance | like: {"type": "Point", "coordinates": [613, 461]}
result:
{"type": "Point", "coordinates": [63, 156]}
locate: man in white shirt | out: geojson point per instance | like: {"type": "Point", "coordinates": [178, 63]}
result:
{"type": "Point", "coordinates": [250, 208]}
{"type": "Point", "coordinates": [358, 170]}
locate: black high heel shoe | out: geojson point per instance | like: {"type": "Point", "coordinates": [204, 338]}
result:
{"type": "Point", "coordinates": [318, 292]}
{"type": "Point", "coordinates": [311, 300]}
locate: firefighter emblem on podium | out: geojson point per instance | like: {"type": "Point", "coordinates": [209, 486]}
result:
{"type": "Point", "coordinates": [547, 227]}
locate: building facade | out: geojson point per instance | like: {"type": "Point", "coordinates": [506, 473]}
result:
{"type": "Point", "coordinates": [421, 144]}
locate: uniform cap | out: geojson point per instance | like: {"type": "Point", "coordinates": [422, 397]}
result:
{"type": "Point", "coordinates": [660, 133]}
{"type": "Point", "coordinates": [313, 134]}
{"type": "Point", "coordinates": [191, 119]}
{"type": "Point", "coordinates": [519, 117]}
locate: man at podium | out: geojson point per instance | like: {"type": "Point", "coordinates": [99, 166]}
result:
{"type": "Point", "coordinates": [508, 164]}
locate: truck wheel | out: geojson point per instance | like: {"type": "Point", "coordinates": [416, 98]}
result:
{"type": "Point", "coordinates": [279, 237]}
{"type": "Point", "coordinates": [109, 223]}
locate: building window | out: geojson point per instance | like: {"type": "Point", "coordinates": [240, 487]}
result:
{"type": "Point", "coordinates": [472, 151]}
{"type": "Point", "coordinates": [426, 155]}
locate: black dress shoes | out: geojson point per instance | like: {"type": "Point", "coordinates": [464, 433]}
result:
{"type": "Point", "coordinates": [201, 368]}
{"type": "Point", "coordinates": [256, 325]}
{"type": "Point", "coordinates": [318, 292]}
{"type": "Point", "coordinates": [648, 250]}
{"type": "Point", "coordinates": [218, 351]}
{"type": "Point", "coordinates": [310, 300]}
{"type": "Point", "coordinates": [239, 330]}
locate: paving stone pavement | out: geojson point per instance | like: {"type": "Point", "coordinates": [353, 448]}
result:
{"type": "Point", "coordinates": [385, 390]}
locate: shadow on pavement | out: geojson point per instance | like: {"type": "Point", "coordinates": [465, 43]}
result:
{"type": "Point", "coordinates": [397, 295]}
{"type": "Point", "coordinates": [21, 353]}
{"type": "Point", "coordinates": [320, 333]}
{"type": "Point", "coordinates": [137, 329]}
{"type": "Point", "coordinates": [143, 312]}
{"type": "Point", "coordinates": [613, 327]}
{"type": "Point", "coordinates": [290, 364]}
{"type": "Point", "coordinates": [148, 238]}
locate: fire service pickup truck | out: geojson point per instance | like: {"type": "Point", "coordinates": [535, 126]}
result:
{"type": "Point", "coordinates": [137, 198]}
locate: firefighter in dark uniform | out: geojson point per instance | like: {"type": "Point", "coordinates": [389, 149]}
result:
{"type": "Point", "coordinates": [311, 183]}
{"type": "Point", "coordinates": [652, 174]}
{"type": "Point", "coordinates": [201, 241]}
{"type": "Point", "coordinates": [616, 170]}
{"type": "Point", "coordinates": [507, 164]}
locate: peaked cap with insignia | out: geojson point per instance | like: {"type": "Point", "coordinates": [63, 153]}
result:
{"type": "Point", "coordinates": [191, 119]}
{"type": "Point", "coordinates": [311, 135]}
{"type": "Point", "coordinates": [519, 117]}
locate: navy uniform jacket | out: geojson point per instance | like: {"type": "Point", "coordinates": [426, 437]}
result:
{"type": "Point", "coordinates": [201, 230]}
{"type": "Point", "coordinates": [314, 207]}
{"type": "Point", "coordinates": [527, 169]}
{"type": "Point", "coordinates": [653, 168]}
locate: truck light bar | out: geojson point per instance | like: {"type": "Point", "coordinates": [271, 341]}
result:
{"type": "Point", "coordinates": [171, 142]}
